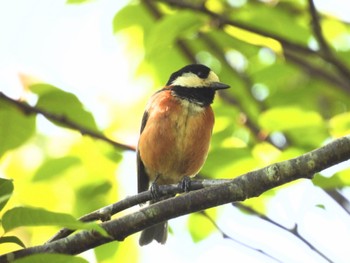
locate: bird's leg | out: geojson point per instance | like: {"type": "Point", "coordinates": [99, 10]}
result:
{"type": "Point", "coordinates": [185, 184]}
{"type": "Point", "coordinates": [155, 189]}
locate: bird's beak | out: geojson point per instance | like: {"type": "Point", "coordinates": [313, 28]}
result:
{"type": "Point", "coordinates": [218, 85]}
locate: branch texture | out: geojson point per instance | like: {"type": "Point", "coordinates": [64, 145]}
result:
{"type": "Point", "coordinates": [246, 186]}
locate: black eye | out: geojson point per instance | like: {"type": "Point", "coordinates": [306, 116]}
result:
{"type": "Point", "coordinates": [201, 74]}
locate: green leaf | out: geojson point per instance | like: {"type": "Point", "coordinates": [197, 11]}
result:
{"type": "Point", "coordinates": [6, 189]}
{"type": "Point", "coordinates": [108, 251]}
{"type": "Point", "coordinates": [338, 180]}
{"type": "Point", "coordinates": [279, 21]}
{"type": "Point", "coordinates": [288, 118]}
{"type": "Point", "coordinates": [322, 206]}
{"type": "Point", "coordinates": [27, 216]}
{"type": "Point", "coordinates": [168, 29]}
{"type": "Point", "coordinates": [16, 127]}
{"type": "Point", "coordinates": [77, 1]}
{"type": "Point", "coordinates": [54, 167]}
{"type": "Point", "coordinates": [231, 161]}
{"type": "Point", "coordinates": [54, 258]}
{"type": "Point", "coordinates": [200, 227]}
{"type": "Point", "coordinates": [132, 15]}
{"type": "Point", "coordinates": [98, 190]}
{"type": "Point", "coordinates": [340, 124]}
{"type": "Point", "coordinates": [12, 239]}
{"type": "Point", "coordinates": [64, 104]}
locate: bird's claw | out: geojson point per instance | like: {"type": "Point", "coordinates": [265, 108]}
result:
{"type": "Point", "coordinates": [185, 184]}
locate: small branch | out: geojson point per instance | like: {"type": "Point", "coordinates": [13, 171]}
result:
{"type": "Point", "coordinates": [316, 26]}
{"type": "Point", "coordinates": [222, 20]}
{"type": "Point", "coordinates": [294, 231]}
{"type": "Point", "coordinates": [324, 46]}
{"type": "Point", "coordinates": [106, 212]}
{"type": "Point", "coordinates": [319, 72]}
{"type": "Point", "coordinates": [339, 198]}
{"type": "Point", "coordinates": [246, 186]}
{"type": "Point", "coordinates": [287, 44]}
{"type": "Point", "coordinates": [27, 109]}
{"type": "Point", "coordinates": [224, 235]}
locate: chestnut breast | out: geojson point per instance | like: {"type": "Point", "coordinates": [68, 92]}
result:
{"type": "Point", "coordinates": [176, 137]}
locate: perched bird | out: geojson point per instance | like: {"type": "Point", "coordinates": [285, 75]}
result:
{"type": "Point", "coordinates": [175, 133]}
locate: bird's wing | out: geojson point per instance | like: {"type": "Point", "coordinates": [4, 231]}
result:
{"type": "Point", "coordinates": [142, 177]}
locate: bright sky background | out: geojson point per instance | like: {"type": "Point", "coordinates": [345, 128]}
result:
{"type": "Point", "coordinates": [73, 47]}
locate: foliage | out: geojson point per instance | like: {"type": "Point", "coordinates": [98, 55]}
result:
{"type": "Point", "coordinates": [290, 94]}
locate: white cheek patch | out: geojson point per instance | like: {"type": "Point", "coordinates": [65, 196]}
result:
{"type": "Point", "coordinates": [188, 80]}
{"type": "Point", "coordinates": [192, 80]}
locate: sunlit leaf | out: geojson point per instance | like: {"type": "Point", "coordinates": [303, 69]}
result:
{"type": "Point", "coordinates": [11, 239]}
{"type": "Point", "coordinates": [54, 258]}
{"type": "Point", "coordinates": [77, 1]}
{"type": "Point", "coordinates": [64, 104]}
{"type": "Point", "coordinates": [16, 127]}
{"type": "Point", "coordinates": [6, 189]}
{"type": "Point", "coordinates": [287, 118]}
{"type": "Point", "coordinates": [26, 216]}
{"type": "Point", "coordinates": [97, 190]}
{"type": "Point", "coordinates": [199, 226]}
{"type": "Point", "coordinates": [279, 21]}
{"type": "Point", "coordinates": [338, 180]}
{"type": "Point", "coordinates": [169, 28]}
{"type": "Point", "coordinates": [107, 251]}
{"type": "Point", "coordinates": [54, 167]}
{"type": "Point", "coordinates": [132, 15]}
{"type": "Point", "coordinates": [340, 124]}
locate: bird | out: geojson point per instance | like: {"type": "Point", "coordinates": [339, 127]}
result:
{"type": "Point", "coordinates": [175, 134]}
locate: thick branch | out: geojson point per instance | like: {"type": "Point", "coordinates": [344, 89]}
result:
{"type": "Point", "coordinates": [27, 109]}
{"type": "Point", "coordinates": [248, 185]}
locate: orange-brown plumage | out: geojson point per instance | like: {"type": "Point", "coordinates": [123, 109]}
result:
{"type": "Point", "coordinates": [175, 133]}
{"type": "Point", "coordinates": [175, 140]}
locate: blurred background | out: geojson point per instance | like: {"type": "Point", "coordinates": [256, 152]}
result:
{"type": "Point", "coordinates": [98, 62]}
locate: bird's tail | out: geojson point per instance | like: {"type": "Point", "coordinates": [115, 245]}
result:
{"type": "Point", "coordinates": [158, 232]}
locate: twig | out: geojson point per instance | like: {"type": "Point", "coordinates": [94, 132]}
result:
{"type": "Point", "coordinates": [222, 20]}
{"type": "Point", "coordinates": [287, 44]}
{"type": "Point", "coordinates": [293, 231]}
{"type": "Point", "coordinates": [339, 198]}
{"type": "Point", "coordinates": [319, 72]}
{"type": "Point", "coordinates": [224, 235]}
{"type": "Point", "coordinates": [106, 212]}
{"type": "Point", "coordinates": [324, 46]}
{"type": "Point", "coordinates": [27, 109]}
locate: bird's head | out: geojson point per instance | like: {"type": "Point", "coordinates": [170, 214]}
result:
{"type": "Point", "coordinates": [196, 76]}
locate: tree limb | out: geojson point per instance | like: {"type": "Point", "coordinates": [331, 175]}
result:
{"type": "Point", "coordinates": [249, 185]}
{"type": "Point", "coordinates": [27, 109]}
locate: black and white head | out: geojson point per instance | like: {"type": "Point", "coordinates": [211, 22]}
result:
{"type": "Point", "coordinates": [196, 83]}
{"type": "Point", "coordinates": [196, 76]}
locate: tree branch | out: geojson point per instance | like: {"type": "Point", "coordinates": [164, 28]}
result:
{"type": "Point", "coordinates": [27, 109]}
{"type": "Point", "coordinates": [224, 235]}
{"type": "Point", "coordinates": [287, 44]}
{"type": "Point", "coordinates": [324, 46]}
{"type": "Point", "coordinates": [294, 231]}
{"type": "Point", "coordinates": [246, 186]}
{"type": "Point", "coordinates": [332, 79]}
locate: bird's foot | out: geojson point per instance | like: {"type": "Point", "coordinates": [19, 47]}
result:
{"type": "Point", "coordinates": [185, 184]}
{"type": "Point", "coordinates": [154, 191]}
